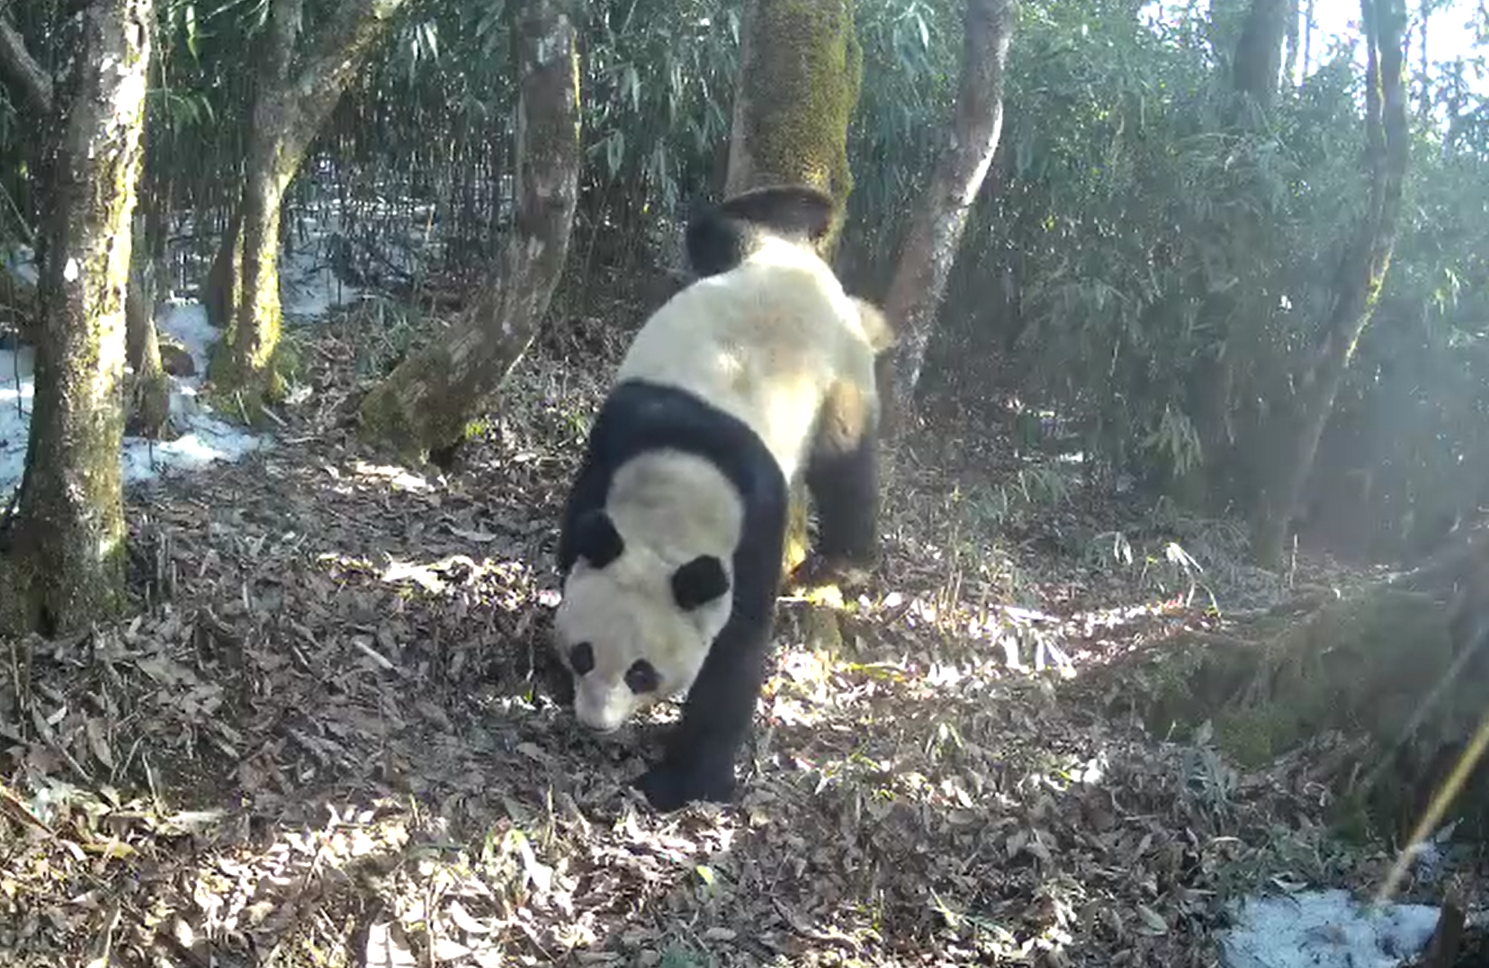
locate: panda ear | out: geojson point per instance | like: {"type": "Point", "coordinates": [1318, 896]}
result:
{"type": "Point", "coordinates": [596, 540]}
{"type": "Point", "coordinates": [699, 582]}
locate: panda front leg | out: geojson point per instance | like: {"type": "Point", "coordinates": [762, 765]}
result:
{"type": "Point", "coordinates": [700, 755]}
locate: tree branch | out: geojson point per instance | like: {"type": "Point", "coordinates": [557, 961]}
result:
{"type": "Point", "coordinates": [335, 56]}
{"type": "Point", "coordinates": [21, 72]}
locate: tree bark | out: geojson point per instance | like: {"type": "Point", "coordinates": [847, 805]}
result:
{"type": "Point", "coordinates": [427, 402]}
{"type": "Point", "coordinates": [289, 109]}
{"type": "Point", "coordinates": [1257, 66]}
{"type": "Point", "coordinates": [63, 551]}
{"type": "Point", "coordinates": [800, 67]}
{"type": "Point", "coordinates": [149, 390]}
{"type": "Point", "coordinates": [1359, 276]}
{"type": "Point", "coordinates": [936, 230]}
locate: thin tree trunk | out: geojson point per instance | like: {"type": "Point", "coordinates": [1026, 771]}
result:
{"type": "Point", "coordinates": [936, 230]}
{"type": "Point", "coordinates": [1307, 38]}
{"type": "Point", "coordinates": [63, 551]}
{"type": "Point", "coordinates": [289, 109]}
{"type": "Point", "coordinates": [149, 403]}
{"type": "Point", "coordinates": [1290, 59]}
{"type": "Point", "coordinates": [1424, 104]}
{"type": "Point", "coordinates": [1242, 311]}
{"type": "Point", "coordinates": [426, 403]}
{"type": "Point", "coordinates": [1258, 60]}
{"type": "Point", "coordinates": [1358, 279]}
{"type": "Point", "coordinates": [30, 88]}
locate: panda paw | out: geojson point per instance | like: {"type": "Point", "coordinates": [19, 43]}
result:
{"type": "Point", "coordinates": [670, 787]}
{"type": "Point", "coordinates": [819, 570]}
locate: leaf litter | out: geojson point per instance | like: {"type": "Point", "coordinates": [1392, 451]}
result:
{"type": "Point", "coordinates": [327, 740]}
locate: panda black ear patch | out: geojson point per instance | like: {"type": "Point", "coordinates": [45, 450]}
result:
{"type": "Point", "coordinates": [718, 238]}
{"type": "Point", "coordinates": [699, 582]}
{"type": "Point", "coordinates": [596, 540]}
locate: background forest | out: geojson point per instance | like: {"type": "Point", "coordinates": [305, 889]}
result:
{"type": "Point", "coordinates": [306, 305]}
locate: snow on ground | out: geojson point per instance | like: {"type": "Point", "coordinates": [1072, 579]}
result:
{"type": "Point", "coordinates": [309, 289]}
{"type": "Point", "coordinates": [1325, 929]}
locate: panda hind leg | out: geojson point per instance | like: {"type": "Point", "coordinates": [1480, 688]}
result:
{"type": "Point", "coordinates": [843, 478]}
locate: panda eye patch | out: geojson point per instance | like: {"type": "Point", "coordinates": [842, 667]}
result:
{"type": "Point", "coordinates": [642, 677]}
{"type": "Point", "coordinates": [582, 658]}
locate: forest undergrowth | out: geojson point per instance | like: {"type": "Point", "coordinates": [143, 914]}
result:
{"type": "Point", "coordinates": [326, 742]}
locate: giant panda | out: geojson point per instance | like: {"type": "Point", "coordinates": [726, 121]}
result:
{"type": "Point", "coordinates": [671, 539]}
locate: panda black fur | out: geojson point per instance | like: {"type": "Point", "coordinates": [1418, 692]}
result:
{"type": "Point", "coordinates": [672, 538]}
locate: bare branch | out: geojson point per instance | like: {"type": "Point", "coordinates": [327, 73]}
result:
{"type": "Point", "coordinates": [21, 72]}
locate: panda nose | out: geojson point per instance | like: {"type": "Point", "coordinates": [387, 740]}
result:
{"type": "Point", "coordinates": [597, 719]}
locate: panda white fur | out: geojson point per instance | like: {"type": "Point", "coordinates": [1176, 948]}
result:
{"type": "Point", "coordinates": [671, 542]}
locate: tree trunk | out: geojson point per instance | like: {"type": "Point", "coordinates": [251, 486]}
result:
{"type": "Point", "coordinates": [936, 230]}
{"type": "Point", "coordinates": [63, 551]}
{"type": "Point", "coordinates": [1357, 280]}
{"type": "Point", "coordinates": [1243, 311]}
{"type": "Point", "coordinates": [30, 88]}
{"type": "Point", "coordinates": [289, 109]}
{"type": "Point", "coordinates": [1258, 61]}
{"type": "Point", "coordinates": [149, 390]}
{"type": "Point", "coordinates": [426, 403]}
{"type": "Point", "coordinates": [1290, 59]}
{"type": "Point", "coordinates": [800, 67]}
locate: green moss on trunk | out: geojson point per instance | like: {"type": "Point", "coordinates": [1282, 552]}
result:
{"type": "Point", "coordinates": [800, 75]}
{"type": "Point", "coordinates": [798, 90]}
{"type": "Point", "coordinates": [288, 111]}
{"type": "Point", "coordinates": [64, 550]}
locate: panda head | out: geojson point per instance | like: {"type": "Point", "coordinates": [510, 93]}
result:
{"type": "Point", "coordinates": [631, 630]}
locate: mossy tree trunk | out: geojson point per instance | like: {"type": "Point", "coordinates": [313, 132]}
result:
{"type": "Point", "coordinates": [799, 76]}
{"type": "Point", "coordinates": [427, 401]}
{"type": "Point", "coordinates": [62, 553]}
{"type": "Point", "coordinates": [291, 102]}
{"type": "Point", "coordinates": [936, 230]}
{"type": "Point", "coordinates": [1357, 282]}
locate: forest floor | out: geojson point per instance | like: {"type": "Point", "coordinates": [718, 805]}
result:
{"type": "Point", "coordinates": [324, 743]}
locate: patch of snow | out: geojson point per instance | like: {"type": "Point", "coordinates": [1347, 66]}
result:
{"type": "Point", "coordinates": [203, 438]}
{"type": "Point", "coordinates": [309, 289]}
{"type": "Point", "coordinates": [20, 262]}
{"type": "Point", "coordinates": [15, 414]}
{"type": "Point", "coordinates": [1324, 929]}
{"type": "Point", "coordinates": [186, 320]}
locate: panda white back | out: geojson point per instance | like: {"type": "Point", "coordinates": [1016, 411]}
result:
{"type": "Point", "coordinates": [762, 342]}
